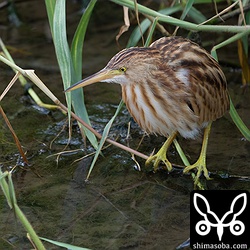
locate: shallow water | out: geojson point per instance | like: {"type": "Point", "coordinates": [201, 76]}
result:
{"type": "Point", "coordinates": [119, 208]}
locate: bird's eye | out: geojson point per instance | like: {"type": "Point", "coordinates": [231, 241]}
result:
{"type": "Point", "coordinates": [122, 69]}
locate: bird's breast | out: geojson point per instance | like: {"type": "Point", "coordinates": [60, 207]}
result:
{"type": "Point", "coordinates": [156, 112]}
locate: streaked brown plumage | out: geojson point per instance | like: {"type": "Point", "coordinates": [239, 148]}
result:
{"type": "Point", "coordinates": [173, 86]}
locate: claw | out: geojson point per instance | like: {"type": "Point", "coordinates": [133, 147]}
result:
{"type": "Point", "coordinates": [156, 159]}
{"type": "Point", "coordinates": [200, 165]}
{"type": "Point", "coordinates": [161, 154]}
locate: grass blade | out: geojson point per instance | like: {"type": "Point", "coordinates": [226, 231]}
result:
{"type": "Point", "coordinates": [104, 137]}
{"type": "Point", "coordinates": [151, 32]}
{"type": "Point", "coordinates": [61, 44]}
{"type": "Point", "coordinates": [70, 61]}
{"type": "Point", "coordinates": [76, 55]}
{"type": "Point", "coordinates": [238, 122]}
{"type": "Point", "coordinates": [138, 31]}
{"type": "Point", "coordinates": [187, 8]}
{"type": "Point", "coordinates": [184, 24]}
{"type": "Point", "coordinates": [9, 192]}
{"type": "Point", "coordinates": [60, 244]}
{"type": "Point", "coordinates": [77, 43]}
{"type": "Point", "coordinates": [5, 187]}
{"type": "Point", "coordinates": [50, 8]}
{"type": "Point", "coordinates": [12, 131]}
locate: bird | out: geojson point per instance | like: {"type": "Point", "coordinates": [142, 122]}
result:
{"type": "Point", "coordinates": [172, 87]}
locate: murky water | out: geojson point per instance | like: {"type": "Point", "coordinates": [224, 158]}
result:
{"type": "Point", "coordinates": [119, 208]}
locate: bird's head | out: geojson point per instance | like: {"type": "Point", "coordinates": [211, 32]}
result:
{"type": "Point", "coordinates": [127, 65]}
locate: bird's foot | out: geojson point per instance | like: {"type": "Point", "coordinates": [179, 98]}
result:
{"type": "Point", "coordinates": [200, 165]}
{"type": "Point", "coordinates": [157, 158]}
{"type": "Point", "coordinates": [161, 155]}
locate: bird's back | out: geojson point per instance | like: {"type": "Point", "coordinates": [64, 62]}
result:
{"type": "Point", "coordinates": [201, 76]}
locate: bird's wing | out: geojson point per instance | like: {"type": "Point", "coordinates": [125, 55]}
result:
{"type": "Point", "coordinates": [201, 76]}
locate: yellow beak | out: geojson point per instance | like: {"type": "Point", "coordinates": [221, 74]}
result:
{"type": "Point", "coordinates": [101, 75]}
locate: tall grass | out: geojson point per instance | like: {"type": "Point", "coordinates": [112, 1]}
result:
{"type": "Point", "coordinates": [70, 58]}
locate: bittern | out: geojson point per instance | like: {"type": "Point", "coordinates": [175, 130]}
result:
{"type": "Point", "coordinates": [171, 87]}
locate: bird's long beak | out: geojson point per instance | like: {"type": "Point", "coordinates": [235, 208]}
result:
{"type": "Point", "coordinates": [101, 75]}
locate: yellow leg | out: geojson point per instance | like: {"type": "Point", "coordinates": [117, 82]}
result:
{"type": "Point", "coordinates": [200, 164]}
{"type": "Point", "coordinates": [161, 155]}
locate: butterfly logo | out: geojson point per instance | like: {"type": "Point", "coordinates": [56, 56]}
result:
{"type": "Point", "coordinates": [203, 227]}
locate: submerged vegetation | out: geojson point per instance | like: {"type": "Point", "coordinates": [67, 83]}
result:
{"type": "Point", "coordinates": [184, 18]}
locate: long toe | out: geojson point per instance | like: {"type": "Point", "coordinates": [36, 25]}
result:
{"type": "Point", "coordinates": [201, 168]}
{"type": "Point", "coordinates": [156, 159]}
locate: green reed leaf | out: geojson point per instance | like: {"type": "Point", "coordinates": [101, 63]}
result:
{"type": "Point", "coordinates": [65, 245]}
{"type": "Point", "coordinates": [7, 186]}
{"type": "Point", "coordinates": [78, 40]}
{"type": "Point", "coordinates": [187, 6]}
{"type": "Point", "coordinates": [104, 137]}
{"type": "Point", "coordinates": [50, 8]}
{"type": "Point", "coordinates": [238, 122]}
{"type": "Point", "coordinates": [76, 55]}
{"type": "Point", "coordinates": [70, 61]}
